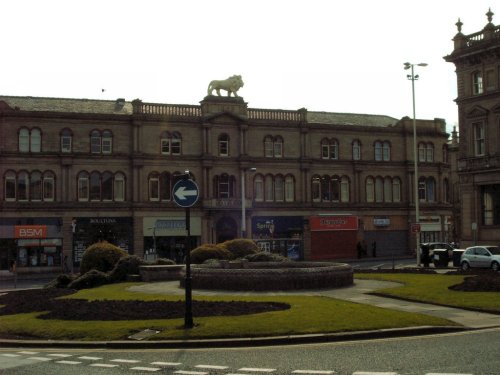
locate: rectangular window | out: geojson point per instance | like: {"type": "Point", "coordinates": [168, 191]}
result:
{"type": "Point", "coordinates": [378, 152]}
{"type": "Point", "coordinates": [325, 151]}
{"type": "Point", "coordinates": [119, 190]}
{"type": "Point", "coordinates": [479, 148]}
{"type": "Point", "coordinates": [289, 190]}
{"type": "Point", "coordinates": [344, 190]}
{"type": "Point", "coordinates": [107, 144]}
{"type": "Point", "coordinates": [429, 154]}
{"type": "Point", "coordinates": [490, 196]}
{"type": "Point", "coordinates": [490, 80]}
{"type": "Point", "coordinates": [176, 146]}
{"type": "Point", "coordinates": [268, 149]}
{"type": "Point", "coordinates": [477, 83]}
{"type": "Point", "coordinates": [224, 188]}
{"type": "Point", "coordinates": [278, 149]}
{"type": "Point", "coordinates": [165, 146]}
{"type": "Point", "coordinates": [223, 148]}
{"type": "Point", "coordinates": [259, 190]}
{"type": "Point", "coordinates": [66, 143]}
{"type": "Point", "coordinates": [316, 190]}
{"type": "Point", "coordinates": [356, 151]}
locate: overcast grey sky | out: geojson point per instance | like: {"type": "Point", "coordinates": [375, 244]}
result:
{"type": "Point", "coordinates": [334, 56]}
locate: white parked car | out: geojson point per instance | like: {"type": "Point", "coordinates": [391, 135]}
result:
{"type": "Point", "coordinates": [481, 257]}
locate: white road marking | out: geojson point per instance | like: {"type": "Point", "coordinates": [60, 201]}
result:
{"type": "Point", "coordinates": [314, 372]}
{"type": "Point", "coordinates": [11, 355]}
{"type": "Point", "coordinates": [107, 365]}
{"type": "Point", "coordinates": [166, 363]}
{"type": "Point", "coordinates": [436, 373]}
{"type": "Point", "coordinates": [69, 362]}
{"type": "Point", "coordinates": [152, 369]}
{"type": "Point", "coordinates": [373, 373]}
{"type": "Point", "coordinates": [90, 358]}
{"type": "Point", "coordinates": [29, 353]}
{"type": "Point", "coordinates": [125, 360]}
{"type": "Point", "coordinates": [60, 355]}
{"type": "Point", "coordinates": [181, 372]}
{"type": "Point", "coordinates": [40, 359]}
{"type": "Point", "coordinates": [253, 369]}
{"type": "Point", "coordinates": [212, 367]}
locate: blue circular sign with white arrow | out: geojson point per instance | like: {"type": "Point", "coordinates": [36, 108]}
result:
{"type": "Point", "coordinates": [185, 193]}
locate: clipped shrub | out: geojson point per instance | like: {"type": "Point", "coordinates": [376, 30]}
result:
{"type": "Point", "coordinates": [240, 247]}
{"type": "Point", "coordinates": [127, 265]}
{"type": "Point", "coordinates": [209, 251]}
{"type": "Point", "coordinates": [164, 262]}
{"type": "Point", "coordinates": [101, 256]}
{"type": "Point", "coordinates": [61, 281]}
{"type": "Point", "coordinates": [263, 256]}
{"type": "Point", "coordinates": [89, 280]}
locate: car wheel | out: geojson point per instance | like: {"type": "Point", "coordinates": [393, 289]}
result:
{"type": "Point", "coordinates": [495, 267]}
{"type": "Point", "coordinates": [465, 266]}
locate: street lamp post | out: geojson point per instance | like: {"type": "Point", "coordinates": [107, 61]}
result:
{"type": "Point", "coordinates": [243, 201]}
{"type": "Point", "coordinates": [413, 78]}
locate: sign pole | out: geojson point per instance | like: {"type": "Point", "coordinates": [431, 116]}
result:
{"type": "Point", "coordinates": [188, 318]}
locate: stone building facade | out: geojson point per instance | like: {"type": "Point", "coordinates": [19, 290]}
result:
{"type": "Point", "coordinates": [477, 60]}
{"type": "Point", "coordinates": [314, 184]}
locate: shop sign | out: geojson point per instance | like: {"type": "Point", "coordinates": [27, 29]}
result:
{"type": "Point", "coordinates": [333, 222]}
{"type": "Point", "coordinates": [381, 221]}
{"type": "Point", "coordinates": [30, 231]}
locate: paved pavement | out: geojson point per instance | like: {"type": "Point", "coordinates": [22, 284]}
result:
{"type": "Point", "coordinates": [356, 293]}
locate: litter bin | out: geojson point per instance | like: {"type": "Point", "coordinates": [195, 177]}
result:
{"type": "Point", "coordinates": [440, 258]}
{"type": "Point", "coordinates": [457, 253]}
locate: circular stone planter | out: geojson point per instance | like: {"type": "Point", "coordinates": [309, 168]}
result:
{"type": "Point", "coordinates": [264, 276]}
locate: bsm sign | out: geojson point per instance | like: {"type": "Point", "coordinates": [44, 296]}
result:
{"type": "Point", "coordinates": [30, 231]}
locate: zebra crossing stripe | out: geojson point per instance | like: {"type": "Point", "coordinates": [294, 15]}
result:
{"type": "Point", "coordinates": [106, 365]}
{"type": "Point", "coordinates": [60, 355]}
{"type": "Point", "coordinates": [125, 360]}
{"type": "Point", "coordinates": [69, 362]}
{"type": "Point", "coordinates": [435, 373]}
{"type": "Point", "coordinates": [313, 372]}
{"type": "Point", "coordinates": [43, 359]}
{"type": "Point", "coordinates": [181, 372]}
{"type": "Point", "coordinates": [212, 367]}
{"type": "Point", "coordinates": [29, 353]}
{"type": "Point", "coordinates": [151, 369]}
{"type": "Point", "coordinates": [253, 369]}
{"type": "Point", "coordinates": [11, 355]}
{"type": "Point", "coordinates": [90, 358]}
{"type": "Point", "coordinates": [373, 373]}
{"type": "Point", "coordinates": [166, 363]}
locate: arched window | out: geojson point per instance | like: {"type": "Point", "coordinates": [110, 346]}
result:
{"type": "Point", "coordinates": [429, 153]}
{"type": "Point", "coordinates": [344, 189]}
{"type": "Point", "coordinates": [387, 189]}
{"type": "Point", "coordinates": [269, 188]}
{"type": "Point", "coordinates": [335, 188]}
{"type": "Point", "coordinates": [421, 152]}
{"type": "Point", "coordinates": [386, 147]}
{"type": "Point", "coordinates": [279, 188]}
{"type": "Point", "coordinates": [107, 186]}
{"type": "Point", "coordinates": [119, 187]}
{"type": "Point", "coordinates": [24, 140]}
{"type": "Point", "coordinates": [273, 146]}
{"type": "Point", "coordinates": [170, 144]}
{"type": "Point", "coordinates": [223, 145]}
{"type": "Point", "coordinates": [427, 189]}
{"type": "Point", "coordinates": [95, 142]}
{"type": "Point", "coordinates": [379, 189]}
{"type": "Point", "coordinates": [48, 186]}
{"type": "Point", "coordinates": [176, 143]}
{"type": "Point", "coordinates": [154, 187]}
{"type": "Point", "coordinates": [378, 150]}
{"type": "Point", "coordinates": [396, 189]}
{"type": "Point", "coordinates": [10, 186]}
{"type": "Point", "coordinates": [83, 186]}
{"type": "Point", "coordinates": [370, 189]}
{"type": "Point", "coordinates": [356, 150]}
{"type": "Point", "coordinates": [36, 140]}
{"type": "Point", "coordinates": [95, 186]}
{"type": "Point", "coordinates": [278, 147]}
{"type": "Point", "coordinates": [316, 189]}
{"type": "Point", "coordinates": [35, 188]}
{"type": "Point", "coordinates": [66, 140]}
{"type": "Point", "coordinates": [325, 189]}
{"type": "Point", "coordinates": [289, 188]}
{"type": "Point", "coordinates": [259, 188]}
{"type": "Point", "coordinates": [107, 142]}
{"type": "Point", "coordinates": [165, 186]}
{"type": "Point", "coordinates": [22, 186]}
{"type": "Point", "coordinates": [30, 140]}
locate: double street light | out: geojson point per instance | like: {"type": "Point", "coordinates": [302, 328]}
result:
{"type": "Point", "coordinates": [413, 78]}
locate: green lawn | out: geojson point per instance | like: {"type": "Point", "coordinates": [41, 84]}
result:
{"type": "Point", "coordinates": [308, 314]}
{"type": "Point", "coordinates": [434, 289]}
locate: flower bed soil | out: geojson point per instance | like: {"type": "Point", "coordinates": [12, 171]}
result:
{"type": "Point", "coordinates": [27, 301]}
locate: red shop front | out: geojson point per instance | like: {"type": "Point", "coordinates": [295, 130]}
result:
{"type": "Point", "coordinates": [333, 236]}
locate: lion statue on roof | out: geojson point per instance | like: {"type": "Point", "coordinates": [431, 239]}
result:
{"type": "Point", "coordinates": [231, 85]}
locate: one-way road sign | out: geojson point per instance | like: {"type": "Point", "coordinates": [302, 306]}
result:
{"type": "Point", "coordinates": [185, 193]}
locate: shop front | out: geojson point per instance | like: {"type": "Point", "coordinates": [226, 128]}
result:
{"type": "Point", "coordinates": [165, 237]}
{"type": "Point", "coordinates": [431, 229]}
{"type": "Point", "coordinates": [333, 236]}
{"type": "Point", "coordinates": [386, 235]}
{"type": "Point", "coordinates": [89, 230]}
{"type": "Point", "coordinates": [32, 245]}
{"type": "Point", "coordinates": [282, 235]}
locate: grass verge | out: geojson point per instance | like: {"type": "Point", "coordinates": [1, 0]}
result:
{"type": "Point", "coordinates": [434, 289]}
{"type": "Point", "coordinates": [308, 314]}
